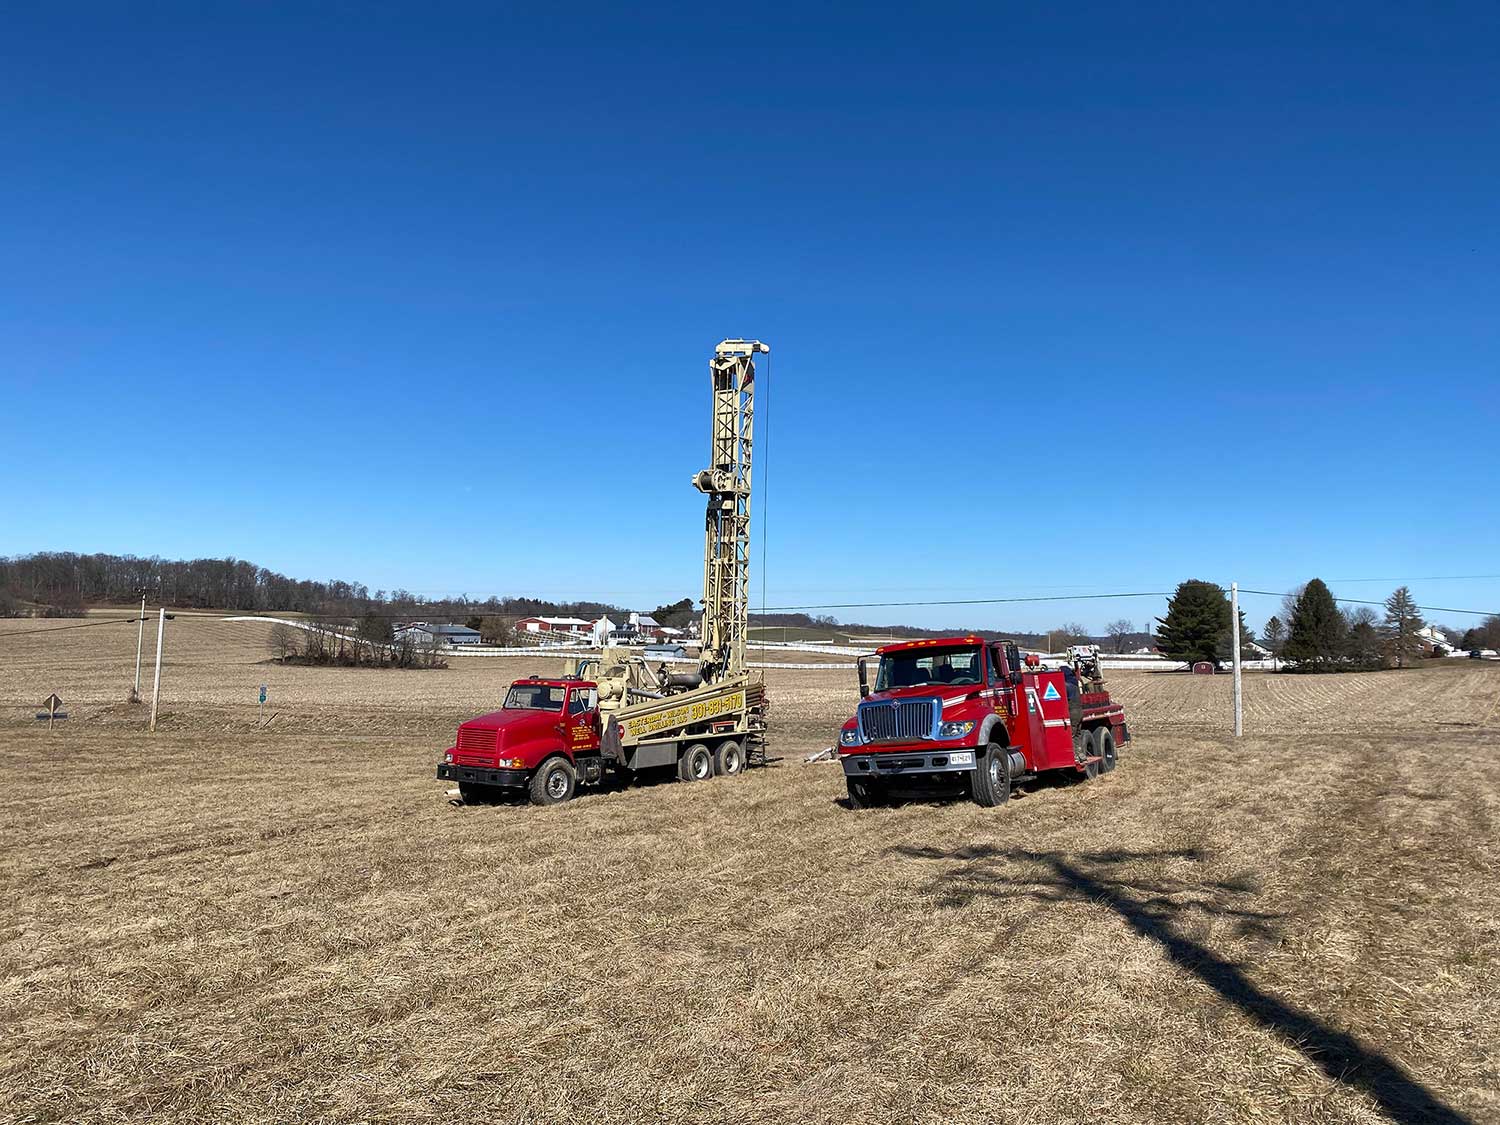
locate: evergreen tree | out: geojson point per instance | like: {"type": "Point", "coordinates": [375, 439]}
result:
{"type": "Point", "coordinates": [1316, 635]}
{"type": "Point", "coordinates": [675, 616]}
{"type": "Point", "coordinates": [1402, 622]}
{"type": "Point", "coordinates": [1197, 620]}
{"type": "Point", "coordinates": [1226, 642]}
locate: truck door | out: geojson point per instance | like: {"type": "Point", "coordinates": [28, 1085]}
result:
{"type": "Point", "coordinates": [581, 723]}
{"type": "Point", "coordinates": [999, 694]}
{"type": "Point", "coordinates": [1051, 699]}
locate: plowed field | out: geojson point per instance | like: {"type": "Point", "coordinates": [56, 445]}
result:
{"type": "Point", "coordinates": [247, 922]}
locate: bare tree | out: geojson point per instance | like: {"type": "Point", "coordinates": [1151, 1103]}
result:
{"type": "Point", "coordinates": [1118, 632]}
{"type": "Point", "coordinates": [1070, 633]}
{"type": "Point", "coordinates": [1273, 636]}
{"type": "Point", "coordinates": [283, 641]}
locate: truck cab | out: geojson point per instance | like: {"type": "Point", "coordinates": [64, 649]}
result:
{"type": "Point", "coordinates": [544, 739]}
{"type": "Point", "coordinates": [973, 714]}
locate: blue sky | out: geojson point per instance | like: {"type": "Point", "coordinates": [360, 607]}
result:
{"type": "Point", "coordinates": [1062, 300]}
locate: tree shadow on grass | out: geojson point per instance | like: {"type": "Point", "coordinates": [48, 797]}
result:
{"type": "Point", "coordinates": [1149, 907]}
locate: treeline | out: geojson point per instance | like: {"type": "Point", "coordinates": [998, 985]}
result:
{"type": "Point", "coordinates": [63, 583]}
{"type": "Point", "coordinates": [1312, 633]}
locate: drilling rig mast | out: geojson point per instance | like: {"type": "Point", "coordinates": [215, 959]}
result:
{"type": "Point", "coordinates": [726, 482]}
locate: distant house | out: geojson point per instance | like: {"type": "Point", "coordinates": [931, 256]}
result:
{"type": "Point", "coordinates": [423, 633]}
{"type": "Point", "coordinates": [644, 625]}
{"type": "Point", "coordinates": [1438, 641]}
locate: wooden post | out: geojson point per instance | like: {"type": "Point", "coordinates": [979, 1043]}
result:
{"type": "Point", "coordinates": [161, 628]}
{"type": "Point", "coordinates": [1234, 631]}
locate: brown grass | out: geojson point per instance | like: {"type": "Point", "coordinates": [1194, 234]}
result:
{"type": "Point", "coordinates": [237, 923]}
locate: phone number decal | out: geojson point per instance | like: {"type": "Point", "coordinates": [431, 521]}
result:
{"type": "Point", "coordinates": [682, 716]}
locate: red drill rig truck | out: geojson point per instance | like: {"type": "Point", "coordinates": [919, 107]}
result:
{"type": "Point", "coordinates": [970, 712]}
{"type": "Point", "coordinates": [616, 715]}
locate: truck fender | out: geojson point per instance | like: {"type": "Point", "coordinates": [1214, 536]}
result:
{"type": "Point", "coordinates": [539, 750]}
{"type": "Point", "coordinates": [993, 730]}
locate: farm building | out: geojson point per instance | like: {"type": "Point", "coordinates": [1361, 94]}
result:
{"type": "Point", "coordinates": [422, 632]}
{"type": "Point", "coordinates": [552, 624]}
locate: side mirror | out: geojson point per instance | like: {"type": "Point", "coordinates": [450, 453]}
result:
{"type": "Point", "coordinates": [864, 684]}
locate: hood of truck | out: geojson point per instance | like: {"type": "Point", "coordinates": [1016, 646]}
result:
{"type": "Point", "coordinates": [515, 723]}
{"type": "Point", "coordinates": [955, 702]}
{"type": "Point", "coordinates": [948, 693]}
{"type": "Point", "coordinates": [483, 739]}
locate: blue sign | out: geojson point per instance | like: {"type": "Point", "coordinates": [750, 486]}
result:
{"type": "Point", "coordinates": [1051, 692]}
{"type": "Point", "coordinates": [262, 693]}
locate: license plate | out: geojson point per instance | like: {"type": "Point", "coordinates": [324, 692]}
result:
{"type": "Point", "coordinates": [962, 758]}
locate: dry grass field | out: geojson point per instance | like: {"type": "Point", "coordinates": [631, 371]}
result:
{"type": "Point", "coordinates": [235, 923]}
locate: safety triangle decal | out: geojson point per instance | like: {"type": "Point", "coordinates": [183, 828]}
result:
{"type": "Point", "coordinates": [1051, 692]}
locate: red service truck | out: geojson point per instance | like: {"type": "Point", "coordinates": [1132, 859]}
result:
{"type": "Point", "coordinates": [972, 713]}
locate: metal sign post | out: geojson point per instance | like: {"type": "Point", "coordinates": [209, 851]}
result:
{"type": "Point", "coordinates": [1234, 631]}
{"type": "Point", "coordinates": [53, 703]}
{"type": "Point", "coordinates": [140, 637]}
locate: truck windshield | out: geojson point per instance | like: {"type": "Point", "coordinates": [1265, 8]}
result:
{"type": "Point", "coordinates": [534, 697]}
{"type": "Point", "coordinates": [941, 666]}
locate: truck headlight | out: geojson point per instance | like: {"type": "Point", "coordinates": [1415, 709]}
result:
{"type": "Point", "coordinates": [850, 737]}
{"type": "Point", "coordinates": [511, 763]}
{"type": "Point", "coordinates": [448, 759]}
{"type": "Point", "coordinates": [955, 730]}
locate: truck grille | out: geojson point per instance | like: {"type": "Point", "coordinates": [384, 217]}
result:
{"type": "Point", "coordinates": [903, 721]}
{"type": "Point", "coordinates": [476, 739]}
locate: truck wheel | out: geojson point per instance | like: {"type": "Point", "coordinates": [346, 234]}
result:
{"type": "Point", "coordinates": [990, 785]}
{"type": "Point", "coordinates": [553, 783]}
{"type": "Point", "coordinates": [1104, 746]}
{"type": "Point", "coordinates": [1090, 748]}
{"type": "Point", "coordinates": [729, 759]}
{"type": "Point", "coordinates": [864, 794]}
{"type": "Point", "coordinates": [696, 763]}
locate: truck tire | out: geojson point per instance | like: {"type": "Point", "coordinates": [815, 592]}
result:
{"type": "Point", "coordinates": [554, 782]}
{"type": "Point", "coordinates": [1104, 746]}
{"type": "Point", "coordinates": [696, 763]}
{"type": "Point", "coordinates": [990, 784]}
{"type": "Point", "coordinates": [1090, 749]}
{"type": "Point", "coordinates": [864, 794]}
{"type": "Point", "coordinates": [729, 759]}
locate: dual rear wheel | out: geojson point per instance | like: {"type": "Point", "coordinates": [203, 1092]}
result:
{"type": "Point", "coordinates": [699, 763]}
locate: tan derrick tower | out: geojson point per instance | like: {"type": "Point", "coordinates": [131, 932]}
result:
{"type": "Point", "coordinates": [726, 537]}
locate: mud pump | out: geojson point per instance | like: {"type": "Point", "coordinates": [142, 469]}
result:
{"type": "Point", "coordinates": [615, 715]}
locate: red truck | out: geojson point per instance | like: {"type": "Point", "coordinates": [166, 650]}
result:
{"type": "Point", "coordinates": [972, 711]}
{"type": "Point", "coordinates": [552, 735]}
{"type": "Point", "coordinates": [543, 740]}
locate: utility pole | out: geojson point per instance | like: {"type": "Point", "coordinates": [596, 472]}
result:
{"type": "Point", "coordinates": [1234, 631]}
{"type": "Point", "coordinates": [161, 628]}
{"type": "Point", "coordinates": [140, 637]}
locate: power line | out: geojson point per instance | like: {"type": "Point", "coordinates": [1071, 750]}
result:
{"type": "Point", "coordinates": [1366, 601]}
{"type": "Point", "coordinates": [63, 628]}
{"type": "Point", "coordinates": [966, 601]}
